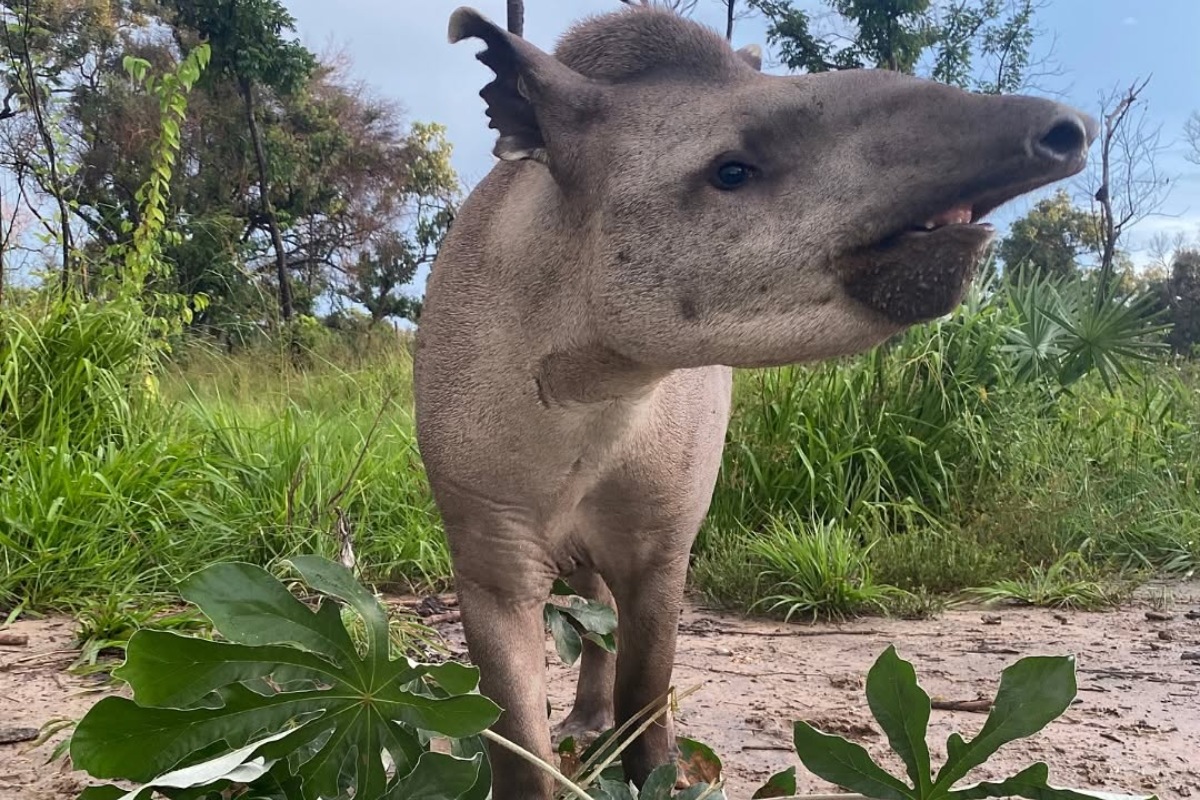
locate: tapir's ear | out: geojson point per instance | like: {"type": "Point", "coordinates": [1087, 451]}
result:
{"type": "Point", "coordinates": [752, 55]}
{"type": "Point", "coordinates": [534, 97]}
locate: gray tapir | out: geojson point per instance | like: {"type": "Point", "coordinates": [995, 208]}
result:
{"type": "Point", "coordinates": [663, 211]}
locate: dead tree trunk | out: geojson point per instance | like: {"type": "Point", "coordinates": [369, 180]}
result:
{"type": "Point", "coordinates": [1130, 187]}
{"type": "Point", "coordinates": [33, 95]}
{"type": "Point", "coordinates": [516, 17]}
{"type": "Point", "coordinates": [268, 209]}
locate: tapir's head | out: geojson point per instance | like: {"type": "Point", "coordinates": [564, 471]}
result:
{"type": "Point", "coordinates": [723, 215]}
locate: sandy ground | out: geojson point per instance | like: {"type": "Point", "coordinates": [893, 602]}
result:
{"type": "Point", "coordinates": [1134, 728]}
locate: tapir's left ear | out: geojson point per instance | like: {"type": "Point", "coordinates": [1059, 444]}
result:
{"type": "Point", "coordinates": [752, 55]}
{"type": "Point", "coordinates": [536, 103]}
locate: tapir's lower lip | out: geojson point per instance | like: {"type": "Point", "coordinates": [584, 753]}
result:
{"type": "Point", "coordinates": [982, 229]}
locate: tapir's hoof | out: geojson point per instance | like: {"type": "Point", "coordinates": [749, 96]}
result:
{"type": "Point", "coordinates": [583, 728]}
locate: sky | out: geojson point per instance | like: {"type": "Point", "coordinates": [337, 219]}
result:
{"type": "Point", "coordinates": [399, 47]}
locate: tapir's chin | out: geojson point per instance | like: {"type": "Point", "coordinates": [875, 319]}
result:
{"type": "Point", "coordinates": [917, 276]}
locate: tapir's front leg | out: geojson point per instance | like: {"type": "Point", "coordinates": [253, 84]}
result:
{"type": "Point", "coordinates": [650, 596]}
{"type": "Point", "coordinates": [502, 587]}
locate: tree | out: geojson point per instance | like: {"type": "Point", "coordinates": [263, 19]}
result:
{"type": "Point", "coordinates": [1124, 182]}
{"type": "Point", "coordinates": [516, 17]}
{"type": "Point", "coordinates": [247, 38]}
{"type": "Point", "coordinates": [735, 10]}
{"type": "Point", "coordinates": [983, 45]}
{"type": "Point", "coordinates": [1049, 239]}
{"type": "Point", "coordinates": [391, 259]}
{"type": "Point", "coordinates": [1191, 130]}
{"type": "Point", "coordinates": [681, 7]}
{"type": "Point", "coordinates": [341, 188]}
{"type": "Point", "coordinates": [1183, 300]}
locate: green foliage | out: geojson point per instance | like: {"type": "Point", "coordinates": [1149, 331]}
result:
{"type": "Point", "coordinates": [1049, 239]}
{"type": "Point", "coordinates": [984, 45]}
{"type": "Point", "coordinates": [1183, 300]}
{"type": "Point", "coordinates": [356, 192]}
{"type": "Point", "coordinates": [1033, 692]}
{"type": "Point", "coordinates": [105, 483]}
{"type": "Point", "coordinates": [1067, 583]}
{"type": "Point", "coordinates": [285, 701]}
{"type": "Point", "coordinates": [576, 619]}
{"type": "Point", "coordinates": [971, 450]}
{"type": "Point", "coordinates": [248, 40]}
{"type": "Point", "coordinates": [819, 572]}
{"type": "Point", "coordinates": [1068, 329]}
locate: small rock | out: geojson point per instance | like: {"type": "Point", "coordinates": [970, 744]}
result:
{"type": "Point", "coordinates": [992, 619]}
{"type": "Point", "coordinates": [11, 734]}
{"type": "Point", "coordinates": [1062, 619]}
{"type": "Point", "coordinates": [1159, 616]}
{"type": "Point", "coordinates": [1166, 635]}
{"type": "Point", "coordinates": [1192, 656]}
{"type": "Point", "coordinates": [10, 639]}
{"type": "Point", "coordinates": [1193, 614]}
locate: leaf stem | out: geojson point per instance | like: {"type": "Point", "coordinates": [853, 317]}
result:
{"type": "Point", "coordinates": [539, 763]}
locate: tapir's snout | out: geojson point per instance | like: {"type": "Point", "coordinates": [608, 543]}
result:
{"type": "Point", "coordinates": [1066, 139]}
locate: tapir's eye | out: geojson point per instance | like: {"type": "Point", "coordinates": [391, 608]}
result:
{"type": "Point", "coordinates": [732, 175]}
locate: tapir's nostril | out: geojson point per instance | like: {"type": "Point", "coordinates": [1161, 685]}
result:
{"type": "Point", "coordinates": [1065, 140]}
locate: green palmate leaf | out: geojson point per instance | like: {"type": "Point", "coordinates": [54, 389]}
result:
{"type": "Point", "coordinates": [1032, 782]}
{"type": "Point", "coordinates": [901, 707]}
{"type": "Point", "coordinates": [660, 783]}
{"type": "Point", "coordinates": [335, 712]}
{"type": "Point", "coordinates": [605, 789]}
{"type": "Point", "coordinates": [469, 748]}
{"type": "Point", "coordinates": [438, 776]}
{"type": "Point", "coordinates": [246, 605]}
{"type": "Point", "coordinates": [578, 619]}
{"type": "Point", "coordinates": [846, 764]}
{"type": "Point", "coordinates": [1032, 693]}
{"type": "Point", "coordinates": [169, 670]}
{"type": "Point", "coordinates": [335, 580]}
{"type": "Point", "coordinates": [118, 739]}
{"type": "Point", "coordinates": [592, 616]}
{"type": "Point", "coordinates": [781, 784]}
{"type": "Point", "coordinates": [237, 766]}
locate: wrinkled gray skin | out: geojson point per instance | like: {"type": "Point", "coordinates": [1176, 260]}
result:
{"type": "Point", "coordinates": [573, 358]}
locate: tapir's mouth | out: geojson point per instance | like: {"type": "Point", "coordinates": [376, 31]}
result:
{"type": "Point", "coordinates": [922, 269]}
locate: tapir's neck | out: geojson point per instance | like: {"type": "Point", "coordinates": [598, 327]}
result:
{"type": "Point", "coordinates": [592, 374]}
{"type": "Point", "coordinates": [518, 268]}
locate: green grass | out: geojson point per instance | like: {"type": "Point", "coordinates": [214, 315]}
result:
{"type": "Point", "coordinates": [108, 479]}
{"type": "Point", "coordinates": [953, 468]}
{"type": "Point", "coordinates": [889, 481]}
{"type": "Point", "coordinates": [820, 572]}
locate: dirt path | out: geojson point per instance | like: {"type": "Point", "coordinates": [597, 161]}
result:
{"type": "Point", "coordinates": [1135, 726]}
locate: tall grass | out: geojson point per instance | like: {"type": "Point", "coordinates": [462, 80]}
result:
{"type": "Point", "coordinates": [107, 481]}
{"type": "Point", "coordinates": [965, 452]}
{"type": "Point", "coordinates": [933, 464]}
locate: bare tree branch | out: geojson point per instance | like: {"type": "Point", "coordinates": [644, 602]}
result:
{"type": "Point", "coordinates": [1191, 130]}
{"type": "Point", "coordinates": [1125, 182]}
{"type": "Point", "coordinates": [681, 7]}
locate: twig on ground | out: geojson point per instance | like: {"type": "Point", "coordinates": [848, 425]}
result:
{"type": "Point", "coordinates": [979, 706]}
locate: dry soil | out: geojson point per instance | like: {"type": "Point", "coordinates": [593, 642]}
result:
{"type": "Point", "coordinates": [1135, 727]}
